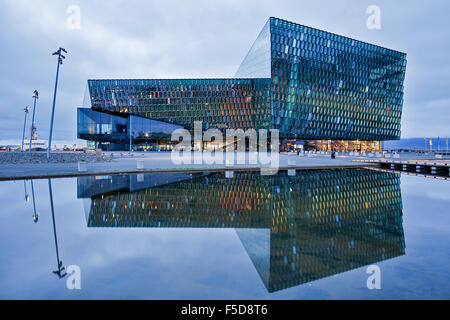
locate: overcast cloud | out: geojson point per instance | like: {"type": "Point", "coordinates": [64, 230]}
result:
{"type": "Point", "coordinates": [191, 39]}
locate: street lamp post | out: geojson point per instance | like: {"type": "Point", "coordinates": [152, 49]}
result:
{"type": "Point", "coordinates": [26, 109]}
{"type": "Point", "coordinates": [60, 61]}
{"type": "Point", "coordinates": [35, 97]}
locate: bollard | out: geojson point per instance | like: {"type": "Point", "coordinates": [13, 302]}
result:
{"type": "Point", "coordinates": [291, 162]}
{"type": "Point", "coordinates": [98, 154]}
{"type": "Point", "coordinates": [229, 161]}
{"type": "Point", "coordinates": [82, 166]}
{"type": "Point", "coordinates": [140, 164]}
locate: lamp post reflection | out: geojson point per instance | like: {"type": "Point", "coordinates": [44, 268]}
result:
{"type": "Point", "coordinates": [27, 197]}
{"type": "Point", "coordinates": [35, 214]}
{"type": "Point", "coordinates": [61, 272]}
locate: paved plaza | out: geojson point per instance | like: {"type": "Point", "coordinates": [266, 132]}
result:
{"type": "Point", "coordinates": [132, 162]}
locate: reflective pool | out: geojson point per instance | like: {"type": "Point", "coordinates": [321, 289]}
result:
{"type": "Point", "coordinates": [233, 235]}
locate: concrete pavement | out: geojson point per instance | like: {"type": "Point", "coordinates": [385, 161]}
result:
{"type": "Point", "coordinates": [125, 162]}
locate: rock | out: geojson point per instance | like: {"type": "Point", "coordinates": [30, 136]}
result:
{"type": "Point", "coordinates": [55, 157]}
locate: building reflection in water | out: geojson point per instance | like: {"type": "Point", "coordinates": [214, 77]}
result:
{"type": "Point", "coordinates": [295, 229]}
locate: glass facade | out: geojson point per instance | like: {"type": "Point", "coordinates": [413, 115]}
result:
{"type": "Point", "coordinates": [219, 103]}
{"type": "Point", "coordinates": [308, 83]}
{"type": "Point", "coordinates": [295, 229]}
{"type": "Point", "coordinates": [114, 132]}
{"type": "Point", "coordinates": [326, 86]}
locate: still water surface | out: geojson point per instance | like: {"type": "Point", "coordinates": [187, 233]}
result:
{"type": "Point", "coordinates": [227, 236]}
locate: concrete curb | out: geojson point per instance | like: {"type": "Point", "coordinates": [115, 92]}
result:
{"type": "Point", "coordinates": [69, 174]}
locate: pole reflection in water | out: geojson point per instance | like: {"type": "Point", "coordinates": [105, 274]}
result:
{"type": "Point", "coordinates": [295, 229]}
{"type": "Point", "coordinates": [35, 213]}
{"type": "Point", "coordinates": [61, 273]}
{"type": "Point", "coordinates": [27, 197]}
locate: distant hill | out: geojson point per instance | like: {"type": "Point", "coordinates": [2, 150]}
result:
{"type": "Point", "coordinates": [416, 143]}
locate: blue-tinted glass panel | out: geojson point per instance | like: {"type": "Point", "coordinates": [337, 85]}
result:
{"type": "Point", "coordinates": [256, 63]}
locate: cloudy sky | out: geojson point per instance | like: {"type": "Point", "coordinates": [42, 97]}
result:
{"type": "Point", "coordinates": [189, 39]}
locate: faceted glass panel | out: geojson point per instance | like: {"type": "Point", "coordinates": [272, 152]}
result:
{"type": "Point", "coordinates": [327, 86]}
{"type": "Point", "coordinates": [218, 103]}
{"type": "Point", "coordinates": [257, 63]}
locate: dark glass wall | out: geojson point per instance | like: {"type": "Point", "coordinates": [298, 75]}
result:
{"type": "Point", "coordinates": [99, 125]}
{"type": "Point", "coordinates": [147, 129]}
{"type": "Point", "coordinates": [114, 132]}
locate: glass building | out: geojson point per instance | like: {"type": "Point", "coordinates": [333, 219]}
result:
{"type": "Point", "coordinates": [310, 84]}
{"type": "Point", "coordinates": [295, 229]}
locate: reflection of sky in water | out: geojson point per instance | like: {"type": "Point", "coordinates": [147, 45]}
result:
{"type": "Point", "coordinates": [199, 263]}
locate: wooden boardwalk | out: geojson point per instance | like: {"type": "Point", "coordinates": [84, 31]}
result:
{"type": "Point", "coordinates": [428, 167]}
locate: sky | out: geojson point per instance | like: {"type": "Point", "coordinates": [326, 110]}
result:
{"type": "Point", "coordinates": [199, 39]}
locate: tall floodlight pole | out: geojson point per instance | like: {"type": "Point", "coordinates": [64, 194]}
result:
{"type": "Point", "coordinates": [35, 97]}
{"type": "Point", "coordinates": [60, 61]}
{"type": "Point", "coordinates": [26, 109]}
